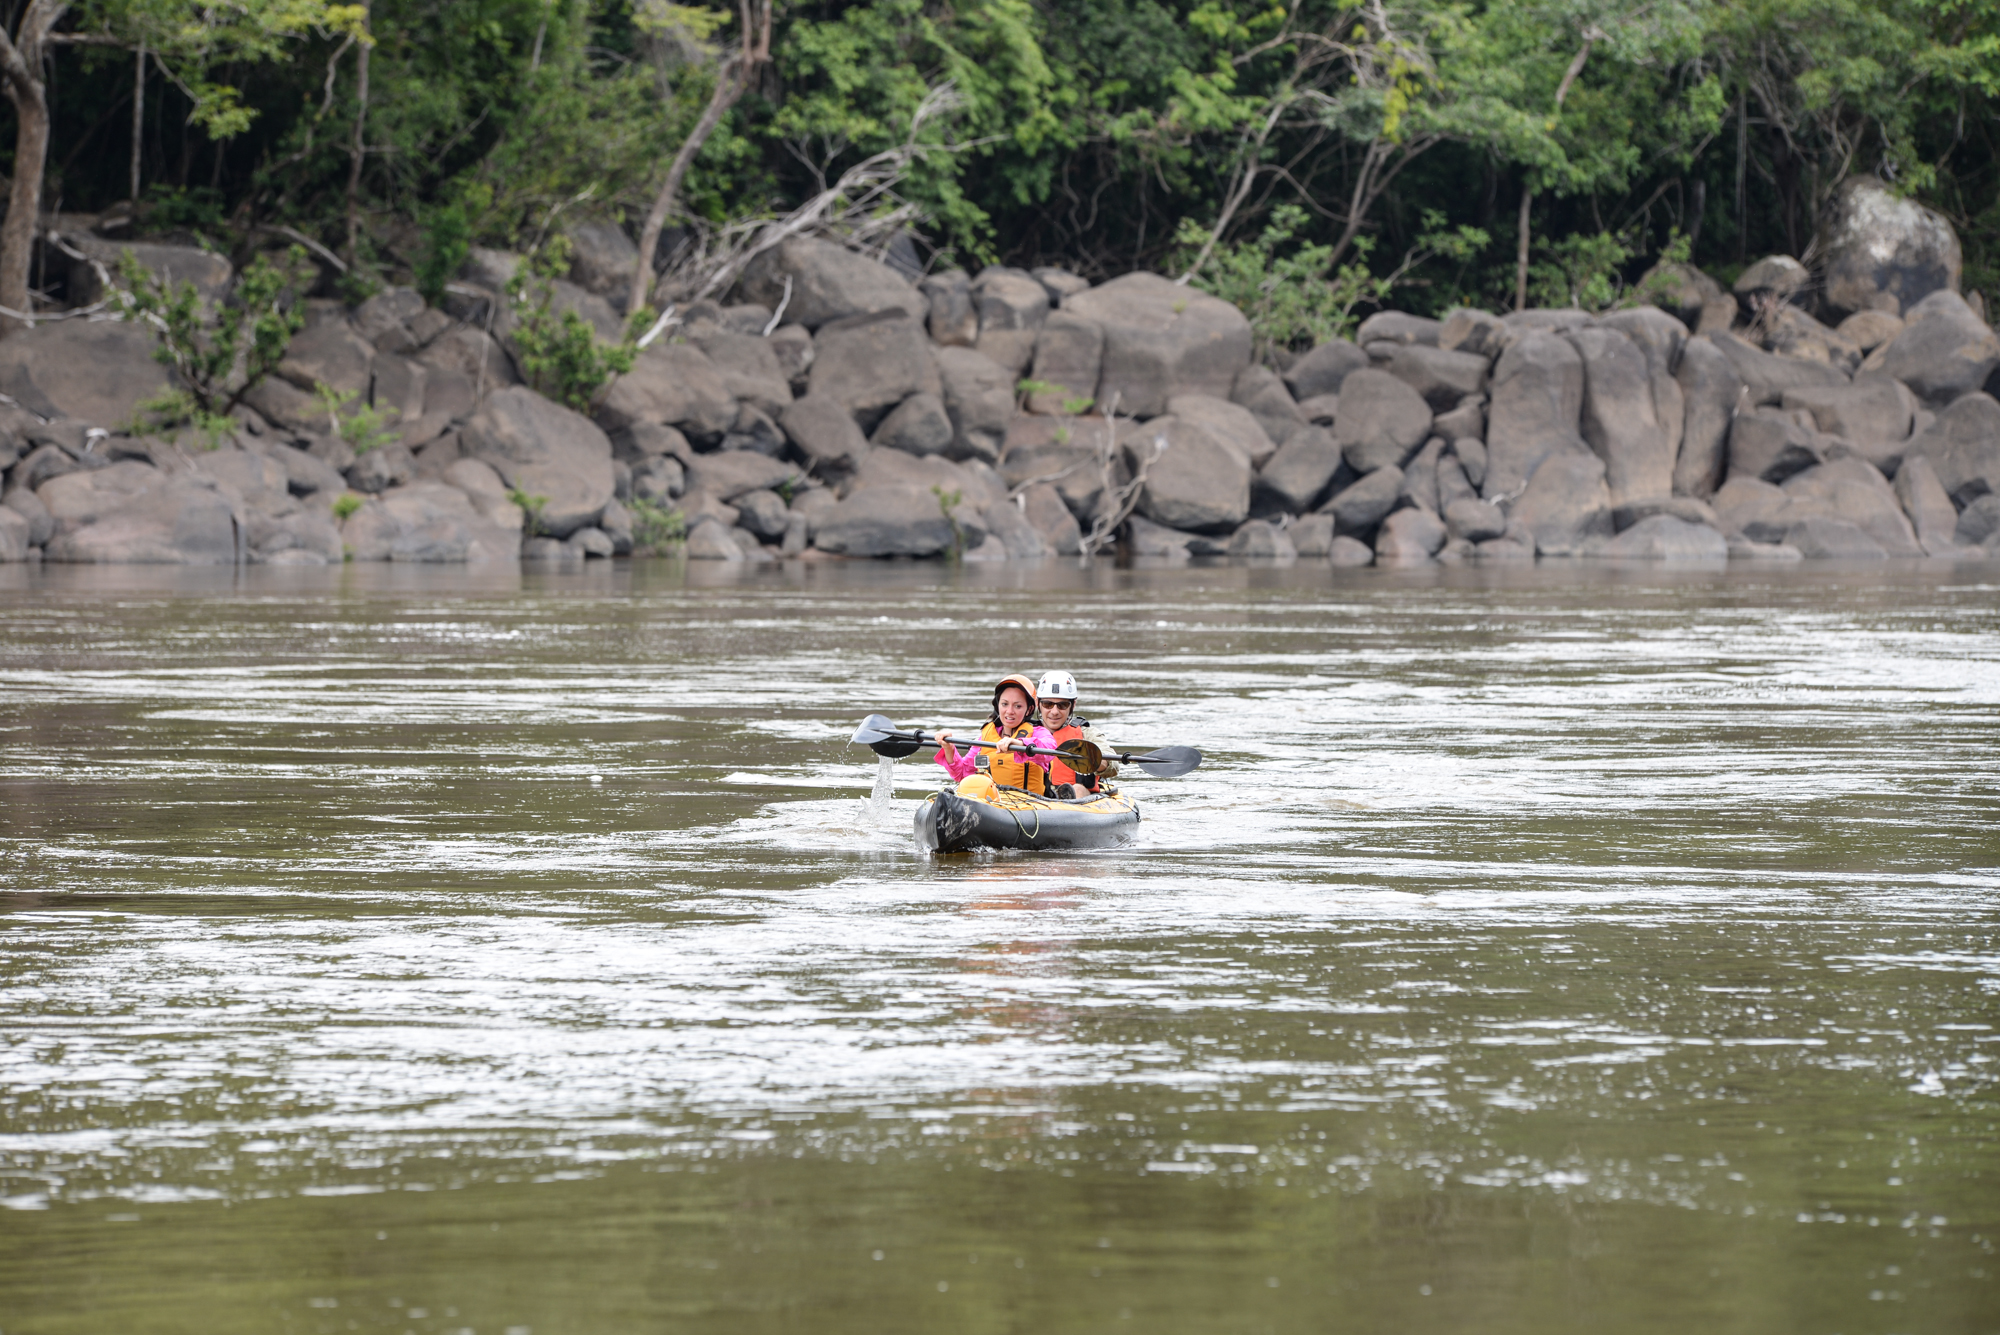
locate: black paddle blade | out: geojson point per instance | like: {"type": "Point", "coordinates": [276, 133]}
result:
{"type": "Point", "coordinates": [1169, 762]}
{"type": "Point", "coordinates": [879, 735]}
{"type": "Point", "coordinates": [1082, 756]}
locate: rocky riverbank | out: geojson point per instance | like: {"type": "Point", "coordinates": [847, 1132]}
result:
{"type": "Point", "coordinates": [836, 409]}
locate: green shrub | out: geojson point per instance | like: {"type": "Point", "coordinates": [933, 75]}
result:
{"type": "Point", "coordinates": [656, 529]}
{"type": "Point", "coordinates": [346, 504]}
{"type": "Point", "coordinates": [560, 352]}
{"type": "Point", "coordinates": [364, 428]}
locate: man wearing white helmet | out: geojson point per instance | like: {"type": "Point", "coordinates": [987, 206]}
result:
{"type": "Point", "coordinates": [1057, 696]}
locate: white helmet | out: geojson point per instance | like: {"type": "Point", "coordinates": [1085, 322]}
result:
{"type": "Point", "coordinates": [1057, 685]}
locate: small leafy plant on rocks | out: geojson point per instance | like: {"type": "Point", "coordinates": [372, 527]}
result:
{"type": "Point", "coordinates": [656, 529]}
{"type": "Point", "coordinates": [560, 352]}
{"type": "Point", "coordinates": [364, 427]}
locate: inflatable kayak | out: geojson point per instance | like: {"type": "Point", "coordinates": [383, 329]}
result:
{"type": "Point", "coordinates": [948, 823]}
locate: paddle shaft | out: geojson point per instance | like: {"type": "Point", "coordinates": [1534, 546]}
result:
{"type": "Point", "coordinates": [921, 738]}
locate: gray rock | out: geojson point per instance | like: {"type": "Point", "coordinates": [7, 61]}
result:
{"type": "Point", "coordinates": [976, 485]}
{"type": "Point", "coordinates": [1882, 252]}
{"type": "Point", "coordinates": [764, 514]}
{"type": "Point", "coordinates": [1452, 482]}
{"type": "Point", "coordinates": [484, 487]}
{"type": "Point", "coordinates": [48, 461]}
{"type": "Point", "coordinates": [953, 321]}
{"type": "Point", "coordinates": [1325, 369]}
{"type": "Point", "coordinates": [24, 503]}
{"type": "Point", "coordinates": [1471, 454]}
{"type": "Point", "coordinates": [1662, 339]}
{"type": "Point", "coordinates": [1321, 409]}
{"type": "Point", "coordinates": [95, 372]}
{"type": "Point", "coordinates": [1069, 354]}
{"type": "Point", "coordinates": [1981, 520]}
{"type": "Point", "coordinates": [1407, 537]}
{"type": "Point", "coordinates": [302, 534]}
{"type": "Point", "coordinates": [428, 522]}
{"type": "Point", "coordinates": [210, 273]}
{"type": "Point", "coordinates": [1767, 376]}
{"type": "Point", "coordinates": [1192, 480]}
{"type": "Point", "coordinates": [1007, 521]}
{"type": "Point", "coordinates": [1566, 503]}
{"type": "Point", "coordinates": [1619, 420]}
{"type": "Point", "coordinates": [384, 319]}
{"type": "Point", "coordinates": [131, 513]}
{"type": "Point", "coordinates": [1300, 474]}
{"type": "Point", "coordinates": [1743, 549]}
{"type": "Point", "coordinates": [1465, 421]}
{"type": "Point", "coordinates": [1261, 540]}
{"type": "Point", "coordinates": [544, 449]}
{"type": "Point", "coordinates": [1928, 506]}
{"type": "Point", "coordinates": [1357, 509]}
{"type": "Point", "coordinates": [1012, 308]}
{"type": "Point", "coordinates": [918, 425]}
{"type": "Point", "coordinates": [1382, 421]}
{"type": "Point", "coordinates": [829, 282]}
{"type": "Point", "coordinates": [1396, 327]}
{"type": "Point", "coordinates": [602, 259]}
{"type": "Point", "coordinates": [1045, 510]}
{"type": "Point", "coordinates": [712, 541]}
{"type": "Point", "coordinates": [1543, 319]}
{"type": "Point", "coordinates": [1157, 542]}
{"type": "Point", "coordinates": [1537, 399]}
{"type": "Point", "coordinates": [1780, 276]}
{"type": "Point", "coordinates": [1259, 389]}
{"type": "Point", "coordinates": [1516, 544]}
{"type": "Point", "coordinates": [1662, 537]}
{"type": "Point", "coordinates": [1467, 330]}
{"type": "Point", "coordinates": [329, 352]}
{"type": "Point", "coordinates": [1944, 351]}
{"type": "Point", "coordinates": [826, 433]}
{"type": "Point", "coordinates": [14, 533]}
{"type": "Point", "coordinates": [1822, 539]}
{"type": "Point", "coordinates": [871, 363]}
{"type": "Point", "coordinates": [754, 431]}
{"type": "Point", "coordinates": [592, 543]}
{"type": "Point", "coordinates": [658, 480]}
{"type": "Point", "coordinates": [1710, 390]}
{"type": "Point", "coordinates": [1768, 445]}
{"type": "Point", "coordinates": [1233, 425]}
{"type": "Point", "coordinates": [978, 400]}
{"type": "Point", "coordinates": [1682, 291]}
{"type": "Point", "coordinates": [1420, 476]}
{"type": "Point", "coordinates": [1963, 445]}
{"type": "Point", "coordinates": [1851, 489]}
{"type": "Point", "coordinates": [1869, 330]}
{"type": "Point", "coordinates": [671, 384]}
{"type": "Point", "coordinates": [1312, 536]}
{"type": "Point", "coordinates": [1346, 552]}
{"type": "Point", "coordinates": [1444, 378]}
{"type": "Point", "coordinates": [1075, 470]}
{"type": "Point", "coordinates": [1874, 415]}
{"type": "Point", "coordinates": [1754, 508]}
{"type": "Point", "coordinates": [728, 474]}
{"type": "Point", "coordinates": [379, 469]}
{"type": "Point", "coordinates": [747, 365]}
{"type": "Point", "coordinates": [1790, 332]}
{"type": "Point", "coordinates": [887, 521]}
{"type": "Point", "coordinates": [1162, 339]}
{"type": "Point", "coordinates": [1475, 520]}
{"type": "Point", "coordinates": [1688, 509]}
{"type": "Point", "coordinates": [461, 365]}
{"type": "Point", "coordinates": [792, 346]}
{"type": "Point", "coordinates": [1059, 283]}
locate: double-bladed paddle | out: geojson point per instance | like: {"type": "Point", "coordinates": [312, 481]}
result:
{"type": "Point", "coordinates": [884, 738]}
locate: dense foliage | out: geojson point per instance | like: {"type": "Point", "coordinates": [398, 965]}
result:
{"type": "Point", "coordinates": [1362, 145]}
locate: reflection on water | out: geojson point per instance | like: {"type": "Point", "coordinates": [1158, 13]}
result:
{"type": "Point", "coordinates": [442, 950]}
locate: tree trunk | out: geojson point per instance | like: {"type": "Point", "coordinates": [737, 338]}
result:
{"type": "Point", "coordinates": [1521, 252]}
{"type": "Point", "coordinates": [729, 81]}
{"type": "Point", "coordinates": [24, 199]}
{"type": "Point", "coordinates": [138, 119]}
{"type": "Point", "coordinates": [359, 149]}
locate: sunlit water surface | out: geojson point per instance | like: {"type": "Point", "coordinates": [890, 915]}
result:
{"type": "Point", "coordinates": [447, 951]}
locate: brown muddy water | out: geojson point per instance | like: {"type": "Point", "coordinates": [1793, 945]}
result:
{"type": "Point", "coordinates": [440, 951]}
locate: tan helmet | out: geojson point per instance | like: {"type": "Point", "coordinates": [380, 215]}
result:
{"type": "Point", "coordinates": [1020, 679]}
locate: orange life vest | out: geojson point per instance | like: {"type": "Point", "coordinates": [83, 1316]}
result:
{"type": "Point", "coordinates": [1010, 770]}
{"type": "Point", "coordinates": [1061, 773]}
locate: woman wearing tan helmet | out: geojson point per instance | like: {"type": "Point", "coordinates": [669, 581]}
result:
{"type": "Point", "coordinates": [1009, 727]}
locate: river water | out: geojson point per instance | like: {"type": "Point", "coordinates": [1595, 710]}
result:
{"type": "Point", "coordinates": [1538, 951]}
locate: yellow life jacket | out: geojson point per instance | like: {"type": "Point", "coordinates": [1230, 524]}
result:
{"type": "Point", "coordinates": [1011, 771]}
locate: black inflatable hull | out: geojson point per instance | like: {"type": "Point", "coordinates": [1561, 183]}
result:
{"type": "Point", "coordinates": [948, 823]}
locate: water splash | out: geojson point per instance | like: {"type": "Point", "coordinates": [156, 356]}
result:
{"type": "Point", "coordinates": [885, 787]}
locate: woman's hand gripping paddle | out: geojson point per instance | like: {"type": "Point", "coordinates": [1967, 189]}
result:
{"type": "Point", "coordinates": [882, 737]}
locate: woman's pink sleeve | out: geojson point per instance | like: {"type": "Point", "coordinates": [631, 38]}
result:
{"type": "Point", "coordinates": [1044, 738]}
{"type": "Point", "coordinates": [956, 765]}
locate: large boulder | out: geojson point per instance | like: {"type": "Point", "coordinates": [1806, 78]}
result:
{"type": "Point", "coordinates": [1297, 477]}
{"type": "Point", "coordinates": [428, 522]}
{"type": "Point", "coordinates": [1767, 375]}
{"type": "Point", "coordinates": [1259, 389]}
{"type": "Point", "coordinates": [670, 384]}
{"type": "Point", "coordinates": [1566, 503]}
{"type": "Point", "coordinates": [1874, 415]}
{"type": "Point", "coordinates": [1790, 332]}
{"type": "Point", "coordinates": [173, 266]}
{"type": "Point", "coordinates": [1162, 339]}
{"type": "Point", "coordinates": [1683, 291]}
{"type": "Point", "coordinates": [1818, 538]}
{"type": "Point", "coordinates": [1883, 252]}
{"type": "Point", "coordinates": [1008, 521]}
{"type": "Point", "coordinates": [1230, 423]}
{"type": "Point", "coordinates": [14, 534]}
{"type": "Point", "coordinates": [1710, 391]}
{"type": "Point", "coordinates": [1442, 377]}
{"type": "Point", "coordinates": [746, 365]}
{"type": "Point", "coordinates": [1754, 508]}
{"type": "Point", "coordinates": [1069, 356]}
{"type": "Point", "coordinates": [1407, 537]}
{"type": "Point", "coordinates": [1192, 480]}
{"type": "Point", "coordinates": [1325, 369]}
{"type": "Point", "coordinates": [979, 400]}
{"type": "Point", "coordinates": [1662, 339]}
{"type": "Point", "coordinates": [1664, 538]}
{"type": "Point", "coordinates": [888, 521]}
{"type": "Point", "coordinates": [1770, 446]}
{"type": "Point", "coordinates": [829, 282]}
{"type": "Point", "coordinates": [870, 363]}
{"type": "Point", "coordinates": [1012, 308]}
{"type": "Point", "coordinates": [825, 433]}
{"type": "Point", "coordinates": [1619, 420]}
{"type": "Point", "coordinates": [1963, 445]}
{"type": "Point", "coordinates": [1979, 526]}
{"type": "Point", "coordinates": [1537, 399]}
{"type": "Point", "coordinates": [1399, 328]}
{"type": "Point", "coordinates": [727, 474]}
{"type": "Point", "coordinates": [1928, 506]}
{"type": "Point", "coordinates": [977, 485]}
{"type": "Point", "coordinates": [1381, 421]}
{"type": "Point", "coordinates": [131, 512]}
{"type": "Point", "coordinates": [953, 322]}
{"type": "Point", "coordinates": [1043, 507]}
{"type": "Point", "coordinates": [544, 450]}
{"type": "Point", "coordinates": [1357, 509]}
{"type": "Point", "coordinates": [1468, 330]}
{"type": "Point", "coordinates": [93, 371]}
{"type": "Point", "coordinates": [602, 259]}
{"type": "Point", "coordinates": [1944, 351]}
{"type": "Point", "coordinates": [917, 425]}
{"type": "Point", "coordinates": [1851, 489]}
